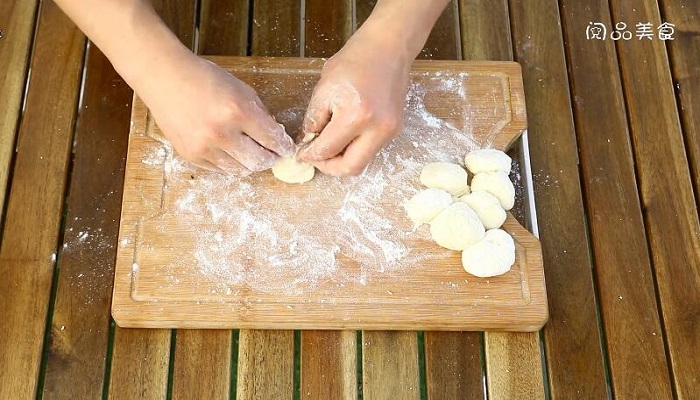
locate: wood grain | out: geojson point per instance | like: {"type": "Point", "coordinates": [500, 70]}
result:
{"type": "Point", "coordinates": [141, 357]}
{"type": "Point", "coordinates": [203, 358]}
{"type": "Point", "coordinates": [81, 317]}
{"type": "Point", "coordinates": [453, 364]}
{"type": "Point", "coordinates": [27, 256]}
{"type": "Point", "coordinates": [265, 364]}
{"type": "Point", "coordinates": [486, 33]}
{"type": "Point", "coordinates": [202, 364]}
{"type": "Point", "coordinates": [684, 52]}
{"type": "Point", "coordinates": [17, 24]}
{"type": "Point", "coordinates": [443, 42]}
{"type": "Point", "coordinates": [390, 365]}
{"type": "Point", "coordinates": [623, 268]}
{"type": "Point", "coordinates": [150, 298]}
{"type": "Point", "coordinates": [328, 365]}
{"type": "Point", "coordinates": [140, 362]}
{"type": "Point", "coordinates": [511, 370]}
{"type": "Point", "coordinates": [266, 358]}
{"type": "Point", "coordinates": [328, 358]}
{"type": "Point", "coordinates": [223, 27]}
{"type": "Point", "coordinates": [671, 223]}
{"type": "Point", "coordinates": [276, 28]}
{"type": "Point", "coordinates": [572, 340]}
{"type": "Point", "coordinates": [328, 24]}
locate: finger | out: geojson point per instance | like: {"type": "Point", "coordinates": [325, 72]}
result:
{"type": "Point", "coordinates": [248, 152]}
{"type": "Point", "coordinates": [355, 159]}
{"type": "Point", "coordinates": [262, 128]}
{"type": "Point", "coordinates": [228, 164]}
{"type": "Point", "coordinates": [332, 140]}
{"type": "Point", "coordinates": [204, 164]}
{"type": "Point", "coordinates": [317, 116]}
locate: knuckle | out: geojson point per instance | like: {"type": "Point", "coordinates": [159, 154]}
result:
{"type": "Point", "coordinates": [353, 169]}
{"type": "Point", "coordinates": [389, 125]}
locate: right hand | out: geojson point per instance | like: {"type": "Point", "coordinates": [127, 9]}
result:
{"type": "Point", "coordinates": [214, 120]}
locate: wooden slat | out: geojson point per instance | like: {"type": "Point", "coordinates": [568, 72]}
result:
{"type": "Point", "coordinates": [328, 25]}
{"type": "Point", "coordinates": [443, 42]}
{"type": "Point", "coordinates": [266, 358]}
{"type": "Point", "coordinates": [512, 372]}
{"type": "Point", "coordinates": [485, 34]}
{"type": "Point", "coordinates": [623, 268]}
{"type": "Point", "coordinates": [223, 27]}
{"type": "Point", "coordinates": [672, 226]}
{"type": "Point", "coordinates": [202, 362]}
{"type": "Point", "coordinates": [140, 362]}
{"type": "Point", "coordinates": [453, 364]}
{"type": "Point", "coordinates": [572, 341]}
{"type": "Point", "coordinates": [390, 365]}
{"type": "Point", "coordinates": [81, 318]}
{"type": "Point", "coordinates": [684, 51]}
{"type": "Point", "coordinates": [389, 359]}
{"type": "Point", "coordinates": [17, 24]}
{"type": "Point", "coordinates": [27, 256]}
{"type": "Point", "coordinates": [484, 30]}
{"type": "Point", "coordinates": [265, 365]}
{"type": "Point", "coordinates": [328, 365]}
{"type": "Point", "coordinates": [140, 356]}
{"type": "Point", "coordinates": [276, 28]}
{"type": "Point", "coordinates": [328, 358]}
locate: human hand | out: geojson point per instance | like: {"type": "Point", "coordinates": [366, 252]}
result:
{"type": "Point", "coordinates": [214, 120]}
{"type": "Point", "coordinates": [356, 107]}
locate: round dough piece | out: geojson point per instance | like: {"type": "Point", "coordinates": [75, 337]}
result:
{"type": "Point", "coordinates": [426, 204]}
{"type": "Point", "coordinates": [457, 227]}
{"type": "Point", "coordinates": [487, 207]}
{"type": "Point", "coordinates": [493, 255]}
{"type": "Point", "coordinates": [290, 170]}
{"type": "Point", "coordinates": [449, 177]}
{"type": "Point", "coordinates": [498, 184]}
{"type": "Point", "coordinates": [487, 160]}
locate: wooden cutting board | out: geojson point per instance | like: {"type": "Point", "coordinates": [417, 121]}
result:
{"type": "Point", "coordinates": [198, 250]}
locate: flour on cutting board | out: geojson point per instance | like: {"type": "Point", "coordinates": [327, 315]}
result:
{"type": "Point", "coordinates": [250, 233]}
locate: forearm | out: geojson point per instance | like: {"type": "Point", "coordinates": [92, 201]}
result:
{"type": "Point", "coordinates": [131, 35]}
{"type": "Point", "coordinates": [401, 26]}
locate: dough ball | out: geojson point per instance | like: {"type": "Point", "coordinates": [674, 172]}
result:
{"type": "Point", "coordinates": [457, 227]}
{"type": "Point", "coordinates": [427, 204]}
{"type": "Point", "coordinates": [487, 160]}
{"type": "Point", "coordinates": [493, 255]}
{"type": "Point", "coordinates": [290, 170]}
{"type": "Point", "coordinates": [451, 178]}
{"type": "Point", "coordinates": [487, 207]}
{"type": "Point", "coordinates": [498, 184]}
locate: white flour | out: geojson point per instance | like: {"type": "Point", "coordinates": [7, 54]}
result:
{"type": "Point", "coordinates": [249, 234]}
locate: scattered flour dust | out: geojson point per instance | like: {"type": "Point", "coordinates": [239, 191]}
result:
{"type": "Point", "coordinates": [250, 233]}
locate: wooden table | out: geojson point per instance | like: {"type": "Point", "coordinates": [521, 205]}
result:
{"type": "Point", "coordinates": [614, 132]}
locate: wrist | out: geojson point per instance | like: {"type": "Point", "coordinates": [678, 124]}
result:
{"type": "Point", "coordinates": [400, 28]}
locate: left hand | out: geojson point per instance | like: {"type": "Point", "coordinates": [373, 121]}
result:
{"type": "Point", "coordinates": [357, 106]}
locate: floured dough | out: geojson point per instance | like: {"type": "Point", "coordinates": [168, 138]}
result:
{"type": "Point", "coordinates": [457, 227]}
{"type": "Point", "coordinates": [451, 178]}
{"type": "Point", "coordinates": [498, 184]}
{"type": "Point", "coordinates": [491, 256]}
{"type": "Point", "coordinates": [290, 170]}
{"type": "Point", "coordinates": [426, 205]}
{"type": "Point", "coordinates": [487, 160]}
{"type": "Point", "coordinates": [487, 207]}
